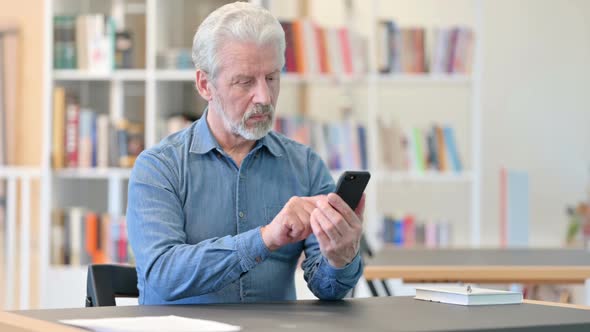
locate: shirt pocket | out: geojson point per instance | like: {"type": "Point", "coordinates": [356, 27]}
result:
{"type": "Point", "coordinates": [286, 253]}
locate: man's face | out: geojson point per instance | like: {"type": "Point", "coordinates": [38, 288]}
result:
{"type": "Point", "coordinates": [246, 88]}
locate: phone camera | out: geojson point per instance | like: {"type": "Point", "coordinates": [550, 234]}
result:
{"type": "Point", "coordinates": [351, 177]}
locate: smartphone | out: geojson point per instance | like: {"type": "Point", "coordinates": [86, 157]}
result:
{"type": "Point", "coordinates": [351, 185]}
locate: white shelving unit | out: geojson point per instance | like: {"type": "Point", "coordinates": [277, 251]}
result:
{"type": "Point", "coordinates": [162, 89]}
{"type": "Point", "coordinates": [16, 241]}
{"type": "Point", "coordinates": [80, 75]}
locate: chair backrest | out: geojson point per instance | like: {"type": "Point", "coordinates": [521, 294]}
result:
{"type": "Point", "coordinates": [107, 281]}
{"type": "Point", "coordinates": [364, 247]}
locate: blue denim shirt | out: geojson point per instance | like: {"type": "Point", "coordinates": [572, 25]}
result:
{"type": "Point", "coordinates": [194, 221]}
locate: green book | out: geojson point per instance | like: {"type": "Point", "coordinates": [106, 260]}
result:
{"type": "Point", "coordinates": [418, 149]}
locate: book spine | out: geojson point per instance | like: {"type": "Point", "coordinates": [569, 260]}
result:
{"type": "Point", "coordinates": [72, 127]}
{"type": "Point", "coordinates": [59, 115]}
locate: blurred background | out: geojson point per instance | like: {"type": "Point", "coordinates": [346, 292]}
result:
{"type": "Point", "coordinates": [473, 117]}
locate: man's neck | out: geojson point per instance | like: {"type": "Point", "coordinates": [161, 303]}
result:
{"type": "Point", "coordinates": [234, 145]}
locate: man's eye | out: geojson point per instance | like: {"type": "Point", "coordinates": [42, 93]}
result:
{"type": "Point", "coordinates": [246, 82]}
{"type": "Point", "coordinates": [270, 78]}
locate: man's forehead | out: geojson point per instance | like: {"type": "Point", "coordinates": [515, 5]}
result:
{"type": "Point", "coordinates": [248, 60]}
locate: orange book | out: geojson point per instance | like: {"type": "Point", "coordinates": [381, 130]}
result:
{"type": "Point", "coordinates": [92, 239]}
{"type": "Point", "coordinates": [105, 241]}
{"type": "Point", "coordinates": [321, 47]}
{"type": "Point", "coordinates": [59, 128]}
{"type": "Point", "coordinates": [442, 151]}
{"type": "Point", "coordinates": [299, 44]}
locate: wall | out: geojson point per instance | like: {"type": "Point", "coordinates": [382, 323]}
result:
{"type": "Point", "coordinates": [536, 109]}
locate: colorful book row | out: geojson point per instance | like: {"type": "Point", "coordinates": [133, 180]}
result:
{"type": "Point", "coordinates": [342, 145]}
{"type": "Point", "coordinates": [80, 237]}
{"type": "Point", "coordinates": [418, 50]}
{"type": "Point", "coordinates": [417, 149]}
{"type": "Point", "coordinates": [407, 232]}
{"type": "Point", "coordinates": [84, 138]}
{"type": "Point", "coordinates": [312, 49]}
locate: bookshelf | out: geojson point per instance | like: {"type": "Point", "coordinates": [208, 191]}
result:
{"type": "Point", "coordinates": [119, 75]}
{"type": "Point", "coordinates": [154, 91]}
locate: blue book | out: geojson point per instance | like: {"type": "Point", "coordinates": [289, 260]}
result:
{"type": "Point", "coordinates": [93, 140]}
{"type": "Point", "coordinates": [398, 233]}
{"type": "Point", "coordinates": [452, 151]}
{"type": "Point", "coordinates": [517, 206]}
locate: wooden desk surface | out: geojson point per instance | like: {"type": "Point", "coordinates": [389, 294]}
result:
{"type": "Point", "coordinates": [370, 314]}
{"type": "Point", "coordinates": [481, 265]}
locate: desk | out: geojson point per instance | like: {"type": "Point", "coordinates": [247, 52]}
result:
{"type": "Point", "coordinates": [369, 314]}
{"type": "Point", "coordinates": [526, 266]}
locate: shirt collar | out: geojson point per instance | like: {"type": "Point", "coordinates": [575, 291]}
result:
{"type": "Point", "coordinates": [270, 142]}
{"type": "Point", "coordinates": [203, 140]}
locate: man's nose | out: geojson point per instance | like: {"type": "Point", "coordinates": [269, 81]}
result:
{"type": "Point", "coordinates": [262, 93]}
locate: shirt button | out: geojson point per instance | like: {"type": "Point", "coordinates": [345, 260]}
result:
{"type": "Point", "coordinates": [258, 259]}
{"type": "Point", "coordinates": [241, 214]}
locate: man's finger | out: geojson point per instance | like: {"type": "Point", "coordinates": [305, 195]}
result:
{"type": "Point", "coordinates": [309, 203]}
{"type": "Point", "coordinates": [297, 229]}
{"type": "Point", "coordinates": [327, 226]}
{"type": "Point", "coordinates": [319, 233]}
{"type": "Point", "coordinates": [360, 209]}
{"type": "Point", "coordinates": [334, 216]}
{"type": "Point", "coordinates": [342, 207]}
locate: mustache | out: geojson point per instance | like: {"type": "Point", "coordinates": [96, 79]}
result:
{"type": "Point", "coordinates": [260, 109]}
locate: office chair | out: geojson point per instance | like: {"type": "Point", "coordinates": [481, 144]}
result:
{"type": "Point", "coordinates": [367, 252]}
{"type": "Point", "coordinates": [107, 281]}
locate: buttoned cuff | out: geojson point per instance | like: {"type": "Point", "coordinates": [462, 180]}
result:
{"type": "Point", "coordinates": [251, 249]}
{"type": "Point", "coordinates": [348, 274]}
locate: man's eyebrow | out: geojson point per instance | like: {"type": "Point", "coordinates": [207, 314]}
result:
{"type": "Point", "coordinates": [241, 77]}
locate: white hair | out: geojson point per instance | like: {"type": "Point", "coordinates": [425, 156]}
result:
{"type": "Point", "coordinates": [238, 21]}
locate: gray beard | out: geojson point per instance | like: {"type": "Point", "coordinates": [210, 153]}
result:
{"type": "Point", "coordinates": [258, 131]}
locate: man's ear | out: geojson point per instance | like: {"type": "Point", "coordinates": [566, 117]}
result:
{"type": "Point", "coordinates": [202, 84]}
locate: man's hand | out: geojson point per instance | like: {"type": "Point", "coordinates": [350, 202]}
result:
{"type": "Point", "coordinates": [338, 228]}
{"type": "Point", "coordinates": [291, 224]}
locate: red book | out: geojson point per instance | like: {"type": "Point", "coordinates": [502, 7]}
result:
{"type": "Point", "coordinates": [122, 242]}
{"type": "Point", "coordinates": [420, 59]}
{"type": "Point", "coordinates": [298, 43]}
{"type": "Point", "coordinates": [72, 136]}
{"type": "Point", "coordinates": [503, 208]}
{"type": "Point", "coordinates": [409, 231]}
{"type": "Point", "coordinates": [290, 58]}
{"type": "Point", "coordinates": [320, 38]}
{"type": "Point", "coordinates": [346, 50]}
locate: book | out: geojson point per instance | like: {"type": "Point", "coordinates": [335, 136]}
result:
{"type": "Point", "coordinates": [313, 49]}
{"type": "Point", "coordinates": [514, 208]}
{"type": "Point", "coordinates": [59, 125]}
{"type": "Point", "coordinates": [467, 295]}
{"type": "Point", "coordinates": [80, 236]}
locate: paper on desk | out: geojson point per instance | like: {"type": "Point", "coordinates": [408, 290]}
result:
{"type": "Point", "coordinates": [151, 323]}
